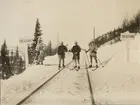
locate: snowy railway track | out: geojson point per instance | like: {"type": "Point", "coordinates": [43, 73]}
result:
{"type": "Point", "coordinates": [90, 87]}
{"type": "Point", "coordinates": [39, 87]}
{"type": "Point", "coordinates": [89, 82]}
{"type": "Point", "coordinates": [90, 78]}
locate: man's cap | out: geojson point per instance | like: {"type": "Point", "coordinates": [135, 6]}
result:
{"type": "Point", "coordinates": [75, 42]}
{"type": "Point", "coordinates": [61, 42]}
{"type": "Point", "coordinates": [92, 41]}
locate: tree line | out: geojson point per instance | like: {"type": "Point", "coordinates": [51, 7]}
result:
{"type": "Point", "coordinates": [10, 62]}
{"type": "Point", "coordinates": [132, 25]}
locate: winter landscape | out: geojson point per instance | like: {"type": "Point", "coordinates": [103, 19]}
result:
{"type": "Point", "coordinates": [42, 34]}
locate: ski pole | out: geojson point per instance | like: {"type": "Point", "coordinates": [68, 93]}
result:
{"type": "Point", "coordinates": [87, 58]}
{"type": "Point", "coordinates": [100, 62]}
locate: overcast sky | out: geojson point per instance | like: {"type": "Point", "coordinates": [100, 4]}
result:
{"type": "Point", "coordinates": [73, 19]}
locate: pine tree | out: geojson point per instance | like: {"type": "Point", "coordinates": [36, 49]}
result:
{"type": "Point", "coordinates": [54, 50]}
{"type": "Point", "coordinates": [12, 60]}
{"type": "Point", "coordinates": [4, 52]}
{"type": "Point", "coordinates": [49, 49]}
{"type": "Point", "coordinates": [21, 65]}
{"type": "Point", "coordinates": [17, 53]}
{"type": "Point", "coordinates": [125, 24]}
{"type": "Point", "coordinates": [6, 68]}
{"type": "Point", "coordinates": [37, 34]}
{"type": "Point", "coordinates": [16, 60]}
{"type": "Point", "coordinates": [30, 54]}
{"type": "Point", "coordinates": [12, 56]}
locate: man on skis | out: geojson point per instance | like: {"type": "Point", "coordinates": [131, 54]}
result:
{"type": "Point", "coordinates": [93, 52]}
{"type": "Point", "coordinates": [61, 54]}
{"type": "Point", "coordinates": [76, 54]}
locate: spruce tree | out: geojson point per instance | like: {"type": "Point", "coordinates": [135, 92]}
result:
{"type": "Point", "coordinates": [4, 52]}
{"type": "Point", "coordinates": [21, 65]}
{"type": "Point", "coordinates": [17, 53]}
{"type": "Point", "coordinates": [6, 68]}
{"type": "Point", "coordinates": [16, 60]}
{"type": "Point", "coordinates": [49, 48]}
{"type": "Point", "coordinates": [12, 56]}
{"type": "Point", "coordinates": [30, 54]}
{"type": "Point", "coordinates": [37, 34]}
{"type": "Point", "coordinates": [16, 57]}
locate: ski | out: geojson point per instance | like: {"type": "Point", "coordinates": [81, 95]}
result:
{"type": "Point", "coordinates": [93, 69]}
{"type": "Point", "coordinates": [59, 68]}
{"type": "Point", "coordinates": [74, 68]}
{"type": "Point", "coordinates": [77, 69]}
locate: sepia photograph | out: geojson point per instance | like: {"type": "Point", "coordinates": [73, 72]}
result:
{"type": "Point", "coordinates": [70, 52]}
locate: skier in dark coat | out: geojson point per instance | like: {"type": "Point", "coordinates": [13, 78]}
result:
{"type": "Point", "coordinates": [76, 55]}
{"type": "Point", "coordinates": [61, 54]}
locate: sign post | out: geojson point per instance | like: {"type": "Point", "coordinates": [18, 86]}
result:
{"type": "Point", "coordinates": [128, 50]}
{"type": "Point", "coordinates": [94, 33]}
{"type": "Point", "coordinates": [25, 42]}
{"type": "Point", "coordinates": [127, 37]}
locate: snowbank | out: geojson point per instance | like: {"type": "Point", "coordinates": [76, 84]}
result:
{"type": "Point", "coordinates": [18, 86]}
{"type": "Point", "coordinates": [118, 82]}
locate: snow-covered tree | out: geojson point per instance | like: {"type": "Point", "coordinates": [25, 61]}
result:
{"type": "Point", "coordinates": [4, 52]}
{"type": "Point", "coordinates": [17, 53]}
{"type": "Point", "coordinates": [37, 36]}
{"type": "Point", "coordinates": [49, 48]}
{"type": "Point", "coordinates": [21, 66]}
{"type": "Point", "coordinates": [6, 68]}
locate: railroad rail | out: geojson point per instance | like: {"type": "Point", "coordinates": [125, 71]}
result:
{"type": "Point", "coordinates": [39, 87]}
{"type": "Point", "coordinates": [89, 81]}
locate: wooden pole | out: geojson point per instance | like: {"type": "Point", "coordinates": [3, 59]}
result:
{"type": "Point", "coordinates": [57, 38]}
{"type": "Point", "coordinates": [128, 51]}
{"type": "Point", "coordinates": [93, 33]}
{"type": "Point", "coordinates": [26, 56]}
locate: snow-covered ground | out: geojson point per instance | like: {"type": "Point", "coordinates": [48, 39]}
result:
{"type": "Point", "coordinates": [116, 83]}
{"type": "Point", "coordinates": [18, 86]}
{"type": "Point", "coordinates": [70, 87]}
